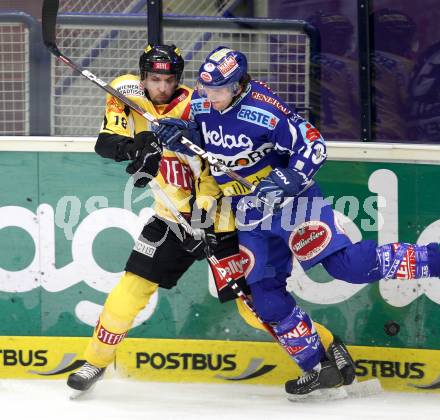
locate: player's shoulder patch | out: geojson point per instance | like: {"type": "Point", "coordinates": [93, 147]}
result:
{"type": "Point", "coordinates": [200, 106]}
{"type": "Point", "coordinates": [258, 116]}
{"type": "Point", "coordinates": [309, 132]}
{"type": "Point", "coordinates": [128, 85]}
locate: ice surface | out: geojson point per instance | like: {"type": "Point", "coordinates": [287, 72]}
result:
{"type": "Point", "coordinates": [130, 400]}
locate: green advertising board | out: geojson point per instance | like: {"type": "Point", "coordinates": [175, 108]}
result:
{"type": "Point", "coordinates": [68, 222]}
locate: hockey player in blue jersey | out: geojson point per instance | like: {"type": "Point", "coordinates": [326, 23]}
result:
{"type": "Point", "coordinates": [243, 123]}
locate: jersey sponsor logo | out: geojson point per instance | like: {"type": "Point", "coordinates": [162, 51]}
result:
{"type": "Point", "coordinates": [130, 89]}
{"type": "Point", "coordinates": [218, 55]}
{"type": "Point", "coordinates": [310, 239]}
{"type": "Point", "coordinates": [228, 66]}
{"type": "Point", "coordinates": [161, 66]}
{"type": "Point", "coordinates": [205, 76]}
{"type": "Point", "coordinates": [107, 337]}
{"type": "Point", "coordinates": [407, 267]}
{"type": "Point", "coordinates": [300, 330]}
{"type": "Point", "coordinates": [248, 255]}
{"type": "Point", "coordinates": [243, 159]}
{"type": "Point", "coordinates": [309, 132]}
{"type": "Point", "coordinates": [176, 173]}
{"type": "Point", "coordinates": [233, 266]}
{"type": "Point", "coordinates": [144, 248]}
{"type": "Point", "coordinates": [236, 188]}
{"type": "Point", "coordinates": [228, 141]}
{"type": "Point", "coordinates": [113, 105]}
{"type": "Point", "coordinates": [281, 176]}
{"type": "Point", "coordinates": [272, 101]}
{"type": "Point", "coordinates": [182, 96]}
{"type": "Point", "coordinates": [200, 106]}
{"type": "Point", "coordinates": [258, 116]}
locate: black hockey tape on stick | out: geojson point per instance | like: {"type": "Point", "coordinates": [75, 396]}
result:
{"type": "Point", "coordinates": [49, 18]}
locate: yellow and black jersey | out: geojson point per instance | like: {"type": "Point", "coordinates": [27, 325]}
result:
{"type": "Point", "coordinates": [179, 175]}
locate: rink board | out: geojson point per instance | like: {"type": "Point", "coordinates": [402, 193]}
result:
{"type": "Point", "coordinates": [69, 219]}
{"type": "Point", "coordinates": [211, 361]}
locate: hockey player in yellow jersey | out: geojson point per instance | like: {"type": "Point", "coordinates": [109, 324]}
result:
{"type": "Point", "coordinates": [160, 255]}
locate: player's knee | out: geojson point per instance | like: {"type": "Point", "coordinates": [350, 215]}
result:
{"type": "Point", "coordinates": [271, 300]}
{"type": "Point", "coordinates": [130, 295]}
{"type": "Point", "coordinates": [356, 263]}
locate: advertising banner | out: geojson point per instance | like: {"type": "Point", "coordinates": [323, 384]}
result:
{"type": "Point", "coordinates": [68, 222]}
{"type": "Point", "coordinates": [210, 361]}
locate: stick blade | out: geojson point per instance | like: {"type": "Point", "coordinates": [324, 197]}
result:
{"type": "Point", "coordinates": [48, 23]}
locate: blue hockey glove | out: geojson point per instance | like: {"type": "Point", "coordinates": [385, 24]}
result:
{"type": "Point", "coordinates": [171, 130]}
{"type": "Point", "coordinates": [279, 184]}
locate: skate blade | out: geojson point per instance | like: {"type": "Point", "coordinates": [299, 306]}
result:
{"type": "Point", "coordinates": [76, 394]}
{"type": "Point", "coordinates": [324, 394]}
{"type": "Point", "coordinates": [364, 388]}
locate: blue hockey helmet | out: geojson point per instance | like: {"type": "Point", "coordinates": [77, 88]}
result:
{"type": "Point", "coordinates": [223, 66]}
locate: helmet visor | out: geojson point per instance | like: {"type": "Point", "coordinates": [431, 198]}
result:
{"type": "Point", "coordinates": [217, 93]}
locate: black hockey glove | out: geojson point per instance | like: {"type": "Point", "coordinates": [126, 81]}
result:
{"type": "Point", "coordinates": [146, 165]}
{"type": "Point", "coordinates": [203, 247]}
{"type": "Point", "coordinates": [133, 149]}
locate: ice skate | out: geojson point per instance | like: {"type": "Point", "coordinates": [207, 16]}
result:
{"type": "Point", "coordinates": [339, 353]}
{"type": "Point", "coordinates": [323, 382]}
{"type": "Point", "coordinates": [84, 379]}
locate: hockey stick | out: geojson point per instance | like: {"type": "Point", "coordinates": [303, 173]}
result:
{"type": "Point", "coordinates": [215, 262]}
{"type": "Point", "coordinates": [48, 21]}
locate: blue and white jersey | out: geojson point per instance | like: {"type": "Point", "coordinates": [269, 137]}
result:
{"type": "Point", "coordinates": [256, 134]}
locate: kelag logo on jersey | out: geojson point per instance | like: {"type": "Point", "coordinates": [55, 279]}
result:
{"type": "Point", "coordinates": [200, 106]}
{"type": "Point", "coordinates": [258, 116]}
